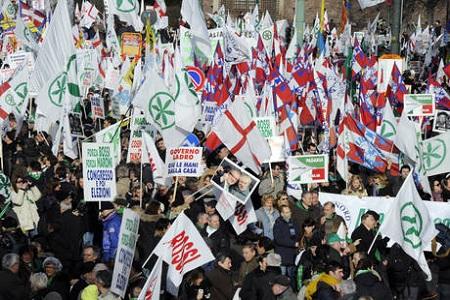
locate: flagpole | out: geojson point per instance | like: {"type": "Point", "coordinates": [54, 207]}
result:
{"type": "Point", "coordinates": [374, 240]}
{"type": "Point", "coordinates": [300, 21]}
{"type": "Point", "coordinates": [142, 188]}
{"type": "Point", "coordinates": [175, 189]}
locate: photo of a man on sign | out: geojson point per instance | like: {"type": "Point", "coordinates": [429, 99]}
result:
{"type": "Point", "coordinates": [234, 181]}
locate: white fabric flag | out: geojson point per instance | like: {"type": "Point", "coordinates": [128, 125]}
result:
{"type": "Point", "coordinates": [152, 287]}
{"type": "Point", "coordinates": [368, 3]}
{"type": "Point", "coordinates": [237, 130]}
{"type": "Point", "coordinates": [58, 46]}
{"type": "Point", "coordinates": [409, 224]}
{"type": "Point", "coordinates": [183, 248]}
{"type": "Point", "coordinates": [192, 12]}
{"type": "Point", "coordinates": [406, 138]}
{"type": "Point", "coordinates": [111, 134]}
{"type": "Point", "coordinates": [88, 14]}
{"type": "Point", "coordinates": [127, 11]}
{"type": "Point", "coordinates": [25, 35]}
{"type": "Point", "coordinates": [435, 156]}
{"type": "Point", "coordinates": [150, 155]}
{"type": "Point", "coordinates": [15, 98]}
{"type": "Point", "coordinates": [226, 206]}
{"type": "Point", "coordinates": [243, 215]}
{"type": "Point", "coordinates": [388, 128]}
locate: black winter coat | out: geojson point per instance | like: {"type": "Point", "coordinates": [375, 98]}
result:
{"type": "Point", "coordinates": [256, 285]}
{"type": "Point", "coordinates": [368, 284]}
{"type": "Point", "coordinates": [367, 236]}
{"type": "Point", "coordinates": [11, 287]}
{"type": "Point", "coordinates": [221, 282]}
{"type": "Point", "coordinates": [285, 235]}
{"type": "Point", "coordinates": [325, 292]}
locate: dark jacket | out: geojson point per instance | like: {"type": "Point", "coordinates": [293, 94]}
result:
{"type": "Point", "coordinates": [369, 284]}
{"type": "Point", "coordinates": [59, 283]}
{"type": "Point", "coordinates": [221, 284]}
{"type": "Point", "coordinates": [402, 270]}
{"type": "Point", "coordinates": [256, 285]}
{"type": "Point", "coordinates": [146, 231]}
{"type": "Point", "coordinates": [325, 292]}
{"type": "Point", "coordinates": [367, 236]}
{"type": "Point", "coordinates": [285, 235]}
{"type": "Point", "coordinates": [444, 269]}
{"type": "Point", "coordinates": [218, 242]}
{"type": "Point", "coordinates": [11, 287]}
{"type": "Point", "coordinates": [300, 213]}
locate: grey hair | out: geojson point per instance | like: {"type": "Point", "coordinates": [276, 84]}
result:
{"type": "Point", "coordinates": [9, 260]}
{"type": "Point", "coordinates": [38, 281]}
{"type": "Point", "coordinates": [348, 287]}
{"type": "Point", "coordinates": [52, 261]}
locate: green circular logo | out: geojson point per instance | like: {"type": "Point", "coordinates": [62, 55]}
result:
{"type": "Point", "coordinates": [9, 99]}
{"type": "Point", "coordinates": [161, 110]}
{"type": "Point", "coordinates": [267, 35]}
{"type": "Point", "coordinates": [57, 89]}
{"type": "Point", "coordinates": [388, 130]}
{"type": "Point", "coordinates": [11, 10]}
{"type": "Point", "coordinates": [434, 154]}
{"type": "Point", "coordinates": [27, 34]}
{"type": "Point", "coordinates": [125, 5]}
{"type": "Point", "coordinates": [412, 224]}
{"type": "Point", "coordinates": [21, 91]}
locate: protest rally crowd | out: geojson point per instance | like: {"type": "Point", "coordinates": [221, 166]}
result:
{"type": "Point", "coordinates": [227, 158]}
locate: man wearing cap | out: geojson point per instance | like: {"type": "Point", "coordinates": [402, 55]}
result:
{"type": "Point", "coordinates": [366, 234]}
{"type": "Point", "coordinates": [87, 277]}
{"type": "Point", "coordinates": [111, 227]}
{"type": "Point", "coordinates": [281, 288]}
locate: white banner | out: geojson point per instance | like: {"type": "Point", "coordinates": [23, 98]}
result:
{"type": "Point", "coordinates": [243, 215]}
{"type": "Point", "coordinates": [308, 168]}
{"type": "Point", "coordinates": [125, 252]}
{"type": "Point", "coordinates": [99, 172]}
{"type": "Point", "coordinates": [351, 208]}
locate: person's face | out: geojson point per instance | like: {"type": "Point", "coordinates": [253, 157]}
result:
{"type": "Point", "coordinates": [244, 184]}
{"type": "Point", "coordinates": [90, 277]}
{"type": "Point", "coordinates": [160, 145]}
{"type": "Point", "coordinates": [268, 203]}
{"type": "Point", "coordinates": [328, 210]}
{"type": "Point", "coordinates": [286, 213]}
{"type": "Point", "coordinates": [370, 222]}
{"type": "Point", "coordinates": [307, 199]}
{"type": "Point", "coordinates": [214, 222]}
{"type": "Point", "coordinates": [50, 270]}
{"type": "Point", "coordinates": [88, 255]}
{"type": "Point", "coordinates": [314, 199]}
{"type": "Point", "coordinates": [226, 264]}
{"type": "Point", "coordinates": [338, 274]}
{"type": "Point", "coordinates": [233, 177]}
{"type": "Point", "coordinates": [278, 289]}
{"type": "Point", "coordinates": [248, 254]}
{"type": "Point", "coordinates": [309, 229]}
{"type": "Point", "coordinates": [405, 172]}
{"type": "Point", "coordinates": [223, 153]}
{"type": "Point", "coordinates": [442, 119]}
{"type": "Point", "coordinates": [276, 171]}
{"type": "Point", "coordinates": [202, 219]}
{"type": "Point", "coordinates": [356, 184]}
{"type": "Point", "coordinates": [263, 264]}
{"type": "Point", "coordinates": [312, 149]}
{"type": "Point", "coordinates": [437, 188]}
{"type": "Point", "coordinates": [210, 210]}
{"type": "Point", "coordinates": [283, 200]}
{"type": "Point", "coordinates": [15, 268]}
{"type": "Point", "coordinates": [27, 257]}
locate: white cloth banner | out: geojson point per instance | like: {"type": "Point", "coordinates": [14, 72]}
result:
{"type": "Point", "coordinates": [152, 287]}
{"type": "Point", "coordinates": [243, 215]}
{"type": "Point", "coordinates": [368, 3]}
{"type": "Point", "coordinates": [183, 248]}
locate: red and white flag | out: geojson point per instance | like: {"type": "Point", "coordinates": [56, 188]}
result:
{"type": "Point", "coordinates": [152, 287]}
{"type": "Point", "coordinates": [150, 155]}
{"type": "Point", "coordinates": [237, 130]}
{"type": "Point", "coordinates": [243, 215]}
{"type": "Point", "coordinates": [88, 14]}
{"type": "Point", "coordinates": [183, 248]}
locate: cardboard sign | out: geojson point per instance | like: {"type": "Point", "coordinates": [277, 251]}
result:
{"type": "Point", "coordinates": [98, 107]}
{"type": "Point", "coordinates": [266, 125]}
{"type": "Point", "coordinates": [76, 125]}
{"type": "Point", "coordinates": [99, 172]}
{"type": "Point", "coordinates": [184, 161]}
{"type": "Point", "coordinates": [128, 236]}
{"type": "Point", "coordinates": [308, 169]}
{"type": "Point", "coordinates": [419, 105]}
{"type": "Point", "coordinates": [131, 44]}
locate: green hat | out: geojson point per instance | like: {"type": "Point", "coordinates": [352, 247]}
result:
{"type": "Point", "coordinates": [333, 238]}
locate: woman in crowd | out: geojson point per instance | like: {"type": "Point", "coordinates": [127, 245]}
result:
{"type": "Point", "coordinates": [380, 186]}
{"type": "Point", "coordinates": [266, 215]}
{"type": "Point", "coordinates": [355, 187]}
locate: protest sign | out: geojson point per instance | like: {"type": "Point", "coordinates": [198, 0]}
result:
{"type": "Point", "coordinates": [234, 181]}
{"type": "Point", "coordinates": [276, 144]}
{"type": "Point", "coordinates": [419, 105]}
{"type": "Point", "coordinates": [131, 44]}
{"type": "Point", "coordinates": [351, 208]}
{"type": "Point", "coordinates": [308, 169]}
{"type": "Point", "coordinates": [138, 124]}
{"type": "Point", "coordinates": [98, 172]}
{"type": "Point", "coordinates": [266, 125]}
{"type": "Point", "coordinates": [385, 66]}
{"type": "Point", "coordinates": [128, 236]}
{"type": "Point", "coordinates": [226, 206]}
{"type": "Point", "coordinates": [441, 121]}
{"type": "Point", "coordinates": [112, 77]}
{"type": "Point", "coordinates": [76, 125]}
{"type": "Point", "coordinates": [209, 109]}
{"type": "Point", "coordinates": [243, 215]}
{"type": "Point", "coordinates": [97, 106]}
{"type": "Point", "coordinates": [184, 161]}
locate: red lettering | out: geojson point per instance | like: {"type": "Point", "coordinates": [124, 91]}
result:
{"type": "Point", "coordinates": [183, 251]}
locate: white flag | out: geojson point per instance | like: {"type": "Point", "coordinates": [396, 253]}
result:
{"type": "Point", "coordinates": [388, 128]}
{"type": "Point", "coordinates": [243, 215]}
{"type": "Point", "coordinates": [127, 11]}
{"type": "Point", "coordinates": [88, 14]}
{"type": "Point", "coordinates": [14, 99]}
{"type": "Point", "coordinates": [368, 3]}
{"type": "Point", "coordinates": [111, 134]}
{"type": "Point", "coordinates": [435, 156]}
{"type": "Point", "coordinates": [183, 248]}
{"type": "Point", "coordinates": [406, 138]}
{"type": "Point", "coordinates": [152, 287]}
{"type": "Point", "coordinates": [150, 155]}
{"type": "Point", "coordinates": [188, 109]}
{"type": "Point", "coordinates": [192, 12]}
{"type": "Point", "coordinates": [25, 35]}
{"type": "Point", "coordinates": [409, 224]}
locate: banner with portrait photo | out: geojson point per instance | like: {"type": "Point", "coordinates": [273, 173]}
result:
{"type": "Point", "coordinates": [76, 125]}
{"type": "Point", "coordinates": [234, 181]}
{"type": "Point", "coordinates": [441, 121]}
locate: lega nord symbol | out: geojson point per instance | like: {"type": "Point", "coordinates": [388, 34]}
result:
{"type": "Point", "coordinates": [161, 111]}
{"type": "Point", "coordinates": [57, 89]}
{"type": "Point", "coordinates": [434, 154]}
{"type": "Point", "coordinates": [412, 224]}
{"type": "Point", "coordinates": [267, 35]}
{"type": "Point", "coordinates": [125, 5]}
{"type": "Point", "coordinates": [387, 130]}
